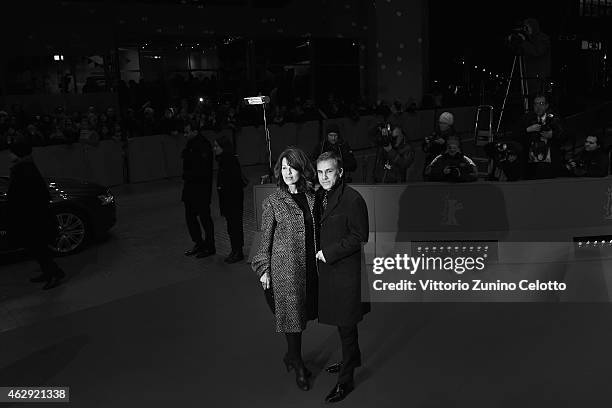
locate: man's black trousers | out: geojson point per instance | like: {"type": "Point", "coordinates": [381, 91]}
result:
{"type": "Point", "coordinates": [351, 355]}
{"type": "Point", "coordinates": [201, 210]}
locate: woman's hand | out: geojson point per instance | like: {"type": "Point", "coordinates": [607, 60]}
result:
{"type": "Point", "coordinates": [265, 280]}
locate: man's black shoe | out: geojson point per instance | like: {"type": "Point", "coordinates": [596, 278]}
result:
{"type": "Point", "coordinates": [40, 278]}
{"type": "Point", "coordinates": [339, 392]}
{"type": "Point", "coordinates": [234, 257]}
{"type": "Point", "coordinates": [196, 248]}
{"type": "Point", "coordinates": [205, 252]}
{"type": "Point", "coordinates": [55, 281]}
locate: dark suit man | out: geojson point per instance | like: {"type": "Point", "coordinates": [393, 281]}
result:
{"type": "Point", "coordinates": [197, 191]}
{"type": "Point", "coordinates": [344, 227]}
{"type": "Point", "coordinates": [31, 223]}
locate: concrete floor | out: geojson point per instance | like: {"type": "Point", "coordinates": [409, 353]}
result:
{"type": "Point", "coordinates": [140, 325]}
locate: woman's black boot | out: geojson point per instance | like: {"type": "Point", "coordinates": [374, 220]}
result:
{"type": "Point", "coordinates": [301, 372]}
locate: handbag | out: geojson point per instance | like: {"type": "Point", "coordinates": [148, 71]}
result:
{"type": "Point", "coordinates": [269, 294]}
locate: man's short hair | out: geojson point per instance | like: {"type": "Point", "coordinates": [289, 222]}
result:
{"type": "Point", "coordinates": [330, 156]}
{"type": "Point", "coordinates": [598, 140]}
{"type": "Point", "coordinates": [542, 95]}
{"type": "Point", "coordinates": [454, 140]}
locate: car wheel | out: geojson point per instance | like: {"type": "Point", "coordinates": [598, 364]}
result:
{"type": "Point", "coordinates": [73, 232]}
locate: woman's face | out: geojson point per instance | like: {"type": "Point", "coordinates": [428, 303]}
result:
{"type": "Point", "coordinates": [290, 175]}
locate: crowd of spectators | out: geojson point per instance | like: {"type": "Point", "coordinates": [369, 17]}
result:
{"type": "Point", "coordinates": [145, 111]}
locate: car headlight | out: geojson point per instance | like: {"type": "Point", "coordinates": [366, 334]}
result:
{"type": "Point", "coordinates": [107, 199]}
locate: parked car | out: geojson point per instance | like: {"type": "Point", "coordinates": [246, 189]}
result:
{"type": "Point", "coordinates": [85, 211]}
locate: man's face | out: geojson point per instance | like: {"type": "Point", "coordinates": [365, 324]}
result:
{"type": "Point", "coordinates": [332, 137]}
{"type": "Point", "coordinates": [443, 126]}
{"type": "Point", "coordinates": [452, 149]}
{"type": "Point", "coordinates": [590, 143]}
{"type": "Point", "coordinates": [329, 173]}
{"type": "Point", "coordinates": [540, 106]}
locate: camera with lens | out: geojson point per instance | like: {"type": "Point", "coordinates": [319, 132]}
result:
{"type": "Point", "coordinates": [501, 151]}
{"type": "Point", "coordinates": [517, 31]}
{"type": "Point", "coordinates": [383, 135]}
{"type": "Point", "coordinates": [576, 165]}
{"type": "Point", "coordinates": [547, 123]}
{"type": "Point", "coordinates": [517, 36]}
{"type": "Point", "coordinates": [454, 171]}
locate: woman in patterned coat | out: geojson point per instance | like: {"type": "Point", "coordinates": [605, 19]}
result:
{"type": "Point", "coordinates": [285, 261]}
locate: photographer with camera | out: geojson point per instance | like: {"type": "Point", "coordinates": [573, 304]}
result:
{"type": "Point", "coordinates": [334, 143]}
{"type": "Point", "coordinates": [527, 40]}
{"type": "Point", "coordinates": [452, 165]}
{"type": "Point", "coordinates": [435, 144]}
{"type": "Point", "coordinates": [541, 135]}
{"type": "Point", "coordinates": [393, 157]}
{"type": "Point", "coordinates": [506, 156]}
{"type": "Point", "coordinates": [593, 161]}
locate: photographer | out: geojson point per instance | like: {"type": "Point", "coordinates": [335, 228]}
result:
{"type": "Point", "coordinates": [435, 144]}
{"type": "Point", "coordinates": [534, 45]}
{"type": "Point", "coordinates": [507, 165]}
{"type": "Point", "coordinates": [452, 166]}
{"type": "Point", "coordinates": [393, 157]}
{"type": "Point", "coordinates": [540, 133]}
{"type": "Point", "coordinates": [593, 161]}
{"type": "Point", "coordinates": [334, 143]}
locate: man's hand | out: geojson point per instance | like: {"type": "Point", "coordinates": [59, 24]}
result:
{"type": "Point", "coordinates": [446, 170]}
{"type": "Point", "coordinates": [320, 257]}
{"type": "Point", "coordinates": [440, 140]}
{"type": "Point", "coordinates": [388, 148]}
{"type": "Point", "coordinates": [534, 128]}
{"type": "Point", "coordinates": [265, 280]}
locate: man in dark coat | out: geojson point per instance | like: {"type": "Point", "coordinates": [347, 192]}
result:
{"type": "Point", "coordinates": [31, 223]}
{"type": "Point", "coordinates": [593, 161]}
{"type": "Point", "coordinates": [541, 136]}
{"type": "Point", "coordinates": [335, 143]}
{"type": "Point", "coordinates": [230, 185]}
{"type": "Point", "coordinates": [535, 46]}
{"type": "Point", "coordinates": [344, 227]}
{"type": "Point", "coordinates": [197, 191]}
{"type": "Point", "coordinates": [452, 166]}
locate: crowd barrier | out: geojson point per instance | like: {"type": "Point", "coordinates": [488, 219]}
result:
{"type": "Point", "coordinates": [102, 163]}
{"type": "Point", "coordinates": [159, 156]}
{"type": "Point", "coordinates": [538, 210]}
{"type": "Point", "coordinates": [533, 228]}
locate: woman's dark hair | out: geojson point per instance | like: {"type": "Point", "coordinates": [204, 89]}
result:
{"type": "Point", "coordinates": [298, 160]}
{"type": "Point", "coordinates": [226, 144]}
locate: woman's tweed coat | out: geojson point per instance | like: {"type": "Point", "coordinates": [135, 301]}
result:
{"type": "Point", "coordinates": [282, 252]}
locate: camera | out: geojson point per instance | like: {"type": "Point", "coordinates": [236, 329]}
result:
{"type": "Point", "coordinates": [501, 151]}
{"type": "Point", "coordinates": [454, 171]}
{"type": "Point", "coordinates": [383, 135]}
{"type": "Point", "coordinates": [576, 166]}
{"type": "Point", "coordinates": [517, 36]}
{"type": "Point", "coordinates": [547, 122]}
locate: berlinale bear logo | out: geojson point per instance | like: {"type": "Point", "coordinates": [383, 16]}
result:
{"type": "Point", "coordinates": [608, 206]}
{"type": "Point", "coordinates": [449, 213]}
